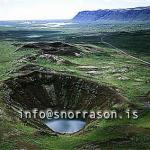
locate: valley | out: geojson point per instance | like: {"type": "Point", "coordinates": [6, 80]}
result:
{"type": "Point", "coordinates": [75, 66]}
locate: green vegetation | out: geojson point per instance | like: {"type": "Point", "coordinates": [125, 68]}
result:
{"type": "Point", "coordinates": [111, 67]}
{"type": "Point", "coordinates": [129, 76]}
{"type": "Point", "coordinates": [133, 42]}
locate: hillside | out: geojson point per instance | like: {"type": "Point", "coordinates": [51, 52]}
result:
{"type": "Point", "coordinates": [129, 15]}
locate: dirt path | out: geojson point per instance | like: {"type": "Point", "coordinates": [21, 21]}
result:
{"type": "Point", "coordinates": [123, 52]}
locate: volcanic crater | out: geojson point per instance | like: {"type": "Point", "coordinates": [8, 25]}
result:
{"type": "Point", "coordinates": [44, 89]}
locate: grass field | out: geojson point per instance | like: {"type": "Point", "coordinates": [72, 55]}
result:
{"type": "Point", "coordinates": [128, 75]}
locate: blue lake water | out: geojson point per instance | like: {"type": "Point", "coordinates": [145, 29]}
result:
{"type": "Point", "coordinates": [65, 125]}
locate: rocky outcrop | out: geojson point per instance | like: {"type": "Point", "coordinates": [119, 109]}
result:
{"type": "Point", "coordinates": [54, 48]}
{"type": "Point", "coordinates": [56, 59]}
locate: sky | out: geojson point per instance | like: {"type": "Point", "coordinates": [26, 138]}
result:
{"type": "Point", "coordinates": [59, 9]}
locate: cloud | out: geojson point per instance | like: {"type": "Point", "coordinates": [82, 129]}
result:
{"type": "Point", "coordinates": [3, 2]}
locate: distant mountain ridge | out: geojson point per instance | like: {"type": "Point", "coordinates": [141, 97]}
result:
{"type": "Point", "coordinates": [129, 14]}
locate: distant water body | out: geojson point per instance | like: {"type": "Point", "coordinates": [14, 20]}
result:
{"type": "Point", "coordinates": [58, 24]}
{"type": "Point", "coordinates": [35, 24]}
{"type": "Point", "coordinates": [34, 36]}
